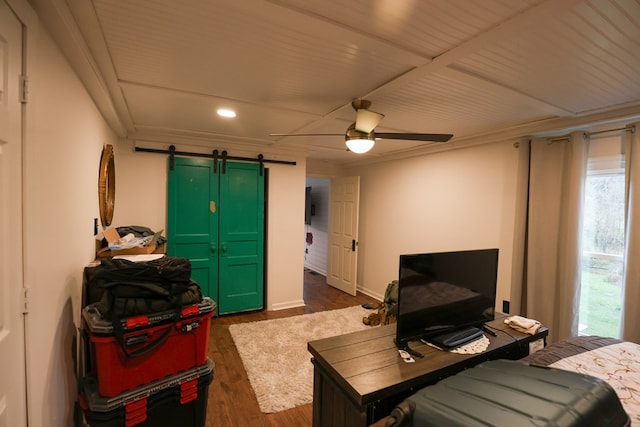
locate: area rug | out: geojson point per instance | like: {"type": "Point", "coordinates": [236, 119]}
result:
{"type": "Point", "coordinates": [275, 356]}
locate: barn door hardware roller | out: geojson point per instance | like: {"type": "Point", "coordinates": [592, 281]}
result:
{"type": "Point", "coordinates": [172, 152]}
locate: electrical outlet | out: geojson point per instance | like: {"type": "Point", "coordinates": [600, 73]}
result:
{"type": "Point", "coordinates": [505, 306]}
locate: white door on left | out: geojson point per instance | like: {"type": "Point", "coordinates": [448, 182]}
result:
{"type": "Point", "coordinates": [12, 350]}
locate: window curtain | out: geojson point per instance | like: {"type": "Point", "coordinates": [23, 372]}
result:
{"type": "Point", "coordinates": [630, 329]}
{"type": "Point", "coordinates": [518, 268]}
{"type": "Point", "coordinates": [551, 285]}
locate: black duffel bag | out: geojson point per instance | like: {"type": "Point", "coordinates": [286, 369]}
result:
{"type": "Point", "coordinates": [165, 269]}
{"type": "Point", "coordinates": [125, 299]}
{"type": "Point", "coordinates": [131, 288]}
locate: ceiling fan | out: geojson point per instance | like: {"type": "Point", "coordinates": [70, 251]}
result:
{"type": "Point", "coordinates": [360, 136]}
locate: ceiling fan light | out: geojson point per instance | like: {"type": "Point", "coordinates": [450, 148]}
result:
{"type": "Point", "coordinates": [360, 145]}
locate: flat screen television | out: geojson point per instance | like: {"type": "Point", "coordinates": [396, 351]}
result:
{"type": "Point", "coordinates": [444, 293]}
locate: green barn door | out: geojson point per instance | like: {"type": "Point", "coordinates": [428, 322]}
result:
{"type": "Point", "coordinates": [192, 221]}
{"type": "Point", "coordinates": [217, 221]}
{"type": "Point", "coordinates": [241, 237]}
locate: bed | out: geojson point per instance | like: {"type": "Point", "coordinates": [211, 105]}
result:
{"type": "Point", "coordinates": [612, 360]}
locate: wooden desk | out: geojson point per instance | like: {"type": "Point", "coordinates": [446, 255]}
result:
{"type": "Point", "coordinates": [359, 377]}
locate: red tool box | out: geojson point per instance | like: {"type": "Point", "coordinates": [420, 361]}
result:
{"type": "Point", "coordinates": [178, 400]}
{"type": "Point", "coordinates": [146, 348]}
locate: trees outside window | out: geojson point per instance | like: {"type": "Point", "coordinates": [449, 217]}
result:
{"type": "Point", "coordinates": [603, 239]}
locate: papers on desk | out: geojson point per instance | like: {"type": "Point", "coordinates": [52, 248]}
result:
{"type": "Point", "coordinates": [406, 356]}
{"type": "Point", "coordinates": [139, 258]}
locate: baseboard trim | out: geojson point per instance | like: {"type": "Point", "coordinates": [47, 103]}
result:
{"type": "Point", "coordinates": [370, 293]}
{"type": "Point", "coordinates": [316, 270]}
{"type": "Point", "coordinates": [285, 305]}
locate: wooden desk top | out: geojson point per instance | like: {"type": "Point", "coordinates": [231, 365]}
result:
{"type": "Point", "coordinates": [367, 366]}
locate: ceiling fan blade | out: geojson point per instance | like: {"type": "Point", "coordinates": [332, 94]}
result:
{"type": "Point", "coordinates": [367, 120]}
{"type": "Point", "coordinates": [306, 134]}
{"type": "Point", "coordinates": [435, 137]}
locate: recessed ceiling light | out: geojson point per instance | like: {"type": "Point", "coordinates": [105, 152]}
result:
{"type": "Point", "coordinates": [225, 112]}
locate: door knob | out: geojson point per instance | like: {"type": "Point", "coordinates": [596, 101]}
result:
{"type": "Point", "coordinates": [213, 248]}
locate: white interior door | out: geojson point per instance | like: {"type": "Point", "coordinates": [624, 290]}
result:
{"type": "Point", "coordinates": [12, 359]}
{"type": "Point", "coordinates": [344, 200]}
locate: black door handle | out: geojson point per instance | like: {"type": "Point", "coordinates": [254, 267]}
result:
{"type": "Point", "coordinates": [353, 245]}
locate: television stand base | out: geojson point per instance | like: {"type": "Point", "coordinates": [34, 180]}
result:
{"type": "Point", "coordinates": [412, 352]}
{"type": "Point", "coordinates": [456, 338]}
{"type": "Point", "coordinates": [405, 347]}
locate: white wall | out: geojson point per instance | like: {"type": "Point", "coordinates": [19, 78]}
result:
{"type": "Point", "coordinates": [447, 201]}
{"type": "Point", "coordinates": [141, 188]}
{"type": "Point", "coordinates": [64, 138]}
{"type": "Point", "coordinates": [323, 168]}
{"type": "Point", "coordinates": [285, 228]}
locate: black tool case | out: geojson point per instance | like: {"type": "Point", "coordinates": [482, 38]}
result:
{"type": "Point", "coordinates": [513, 393]}
{"type": "Point", "coordinates": [179, 400]}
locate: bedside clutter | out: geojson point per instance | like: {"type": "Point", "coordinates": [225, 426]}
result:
{"type": "Point", "coordinates": [130, 240]}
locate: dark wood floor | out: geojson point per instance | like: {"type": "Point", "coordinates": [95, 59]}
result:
{"type": "Point", "coordinates": [231, 399]}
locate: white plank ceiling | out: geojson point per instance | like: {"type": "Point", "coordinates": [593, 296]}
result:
{"type": "Point", "coordinates": [466, 67]}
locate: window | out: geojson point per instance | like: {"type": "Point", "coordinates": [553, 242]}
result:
{"type": "Point", "coordinates": [601, 294]}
